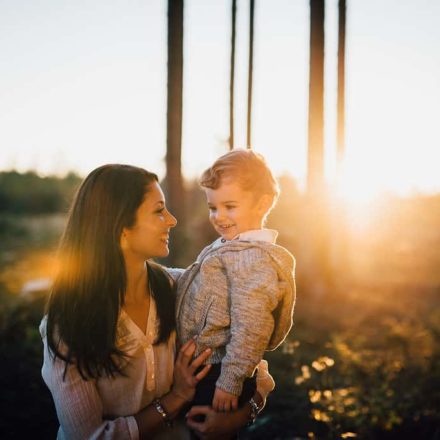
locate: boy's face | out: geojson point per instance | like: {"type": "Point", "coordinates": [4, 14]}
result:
{"type": "Point", "coordinates": [233, 210]}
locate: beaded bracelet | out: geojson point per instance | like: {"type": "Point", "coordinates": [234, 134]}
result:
{"type": "Point", "coordinates": [255, 409]}
{"type": "Point", "coordinates": [160, 409]}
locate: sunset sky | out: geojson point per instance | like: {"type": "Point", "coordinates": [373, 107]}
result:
{"type": "Point", "coordinates": [84, 83]}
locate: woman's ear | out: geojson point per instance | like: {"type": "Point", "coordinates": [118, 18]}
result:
{"type": "Point", "coordinates": [123, 240]}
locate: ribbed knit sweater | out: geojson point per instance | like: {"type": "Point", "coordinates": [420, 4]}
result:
{"type": "Point", "coordinates": [238, 297]}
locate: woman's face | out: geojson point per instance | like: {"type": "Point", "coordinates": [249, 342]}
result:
{"type": "Point", "coordinates": [149, 236]}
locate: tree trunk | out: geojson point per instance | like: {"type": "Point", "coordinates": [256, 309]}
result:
{"type": "Point", "coordinates": [315, 166]}
{"type": "Point", "coordinates": [340, 235]}
{"type": "Point", "coordinates": [174, 181]}
{"type": "Point", "coordinates": [341, 83]}
{"type": "Point", "coordinates": [318, 273]}
{"type": "Point", "coordinates": [250, 72]}
{"type": "Point", "coordinates": [232, 77]}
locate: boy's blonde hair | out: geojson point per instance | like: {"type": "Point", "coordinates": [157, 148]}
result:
{"type": "Point", "coordinates": [248, 168]}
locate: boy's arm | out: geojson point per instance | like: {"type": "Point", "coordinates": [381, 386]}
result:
{"type": "Point", "coordinates": [254, 294]}
{"type": "Point", "coordinates": [224, 401]}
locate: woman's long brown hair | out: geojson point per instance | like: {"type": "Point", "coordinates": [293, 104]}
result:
{"type": "Point", "coordinates": [89, 290]}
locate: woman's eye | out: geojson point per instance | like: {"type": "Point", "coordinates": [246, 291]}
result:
{"type": "Point", "coordinates": [160, 211]}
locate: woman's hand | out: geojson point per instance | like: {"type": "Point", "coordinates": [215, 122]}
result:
{"type": "Point", "coordinates": [185, 381]}
{"type": "Point", "coordinates": [220, 426]}
{"type": "Point", "coordinates": [149, 420]}
{"type": "Point", "coordinates": [217, 425]}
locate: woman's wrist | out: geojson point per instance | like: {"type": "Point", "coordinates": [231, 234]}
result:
{"type": "Point", "coordinates": [178, 398]}
{"type": "Point", "coordinates": [259, 400]}
{"type": "Point", "coordinates": [255, 409]}
{"type": "Point", "coordinates": [173, 403]}
{"type": "Point", "coordinates": [159, 413]}
{"type": "Point", "coordinates": [255, 404]}
{"type": "Point", "coordinates": [166, 418]}
{"type": "Point", "coordinates": [168, 407]}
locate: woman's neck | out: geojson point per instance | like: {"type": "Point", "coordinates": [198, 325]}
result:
{"type": "Point", "coordinates": [137, 282]}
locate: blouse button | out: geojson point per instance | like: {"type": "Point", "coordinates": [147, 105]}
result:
{"type": "Point", "coordinates": [223, 240]}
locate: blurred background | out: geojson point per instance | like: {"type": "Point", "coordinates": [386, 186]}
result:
{"type": "Point", "coordinates": [340, 96]}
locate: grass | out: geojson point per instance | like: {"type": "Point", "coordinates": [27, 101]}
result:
{"type": "Point", "coordinates": [362, 361]}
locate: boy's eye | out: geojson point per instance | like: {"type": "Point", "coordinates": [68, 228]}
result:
{"type": "Point", "coordinates": [212, 208]}
{"type": "Point", "coordinates": [230, 206]}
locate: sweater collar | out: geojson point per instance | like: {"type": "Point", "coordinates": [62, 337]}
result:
{"type": "Point", "coordinates": [268, 235]}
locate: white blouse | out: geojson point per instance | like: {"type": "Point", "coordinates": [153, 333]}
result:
{"type": "Point", "coordinates": [104, 407]}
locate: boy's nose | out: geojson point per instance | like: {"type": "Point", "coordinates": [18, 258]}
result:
{"type": "Point", "coordinates": [218, 216]}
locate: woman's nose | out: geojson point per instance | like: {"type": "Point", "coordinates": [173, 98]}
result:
{"type": "Point", "coordinates": [172, 221]}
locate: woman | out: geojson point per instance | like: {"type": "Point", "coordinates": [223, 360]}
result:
{"type": "Point", "coordinates": [109, 332]}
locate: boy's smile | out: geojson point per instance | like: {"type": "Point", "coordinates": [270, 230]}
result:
{"type": "Point", "coordinates": [233, 210]}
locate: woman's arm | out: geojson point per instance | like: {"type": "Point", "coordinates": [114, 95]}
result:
{"type": "Point", "coordinates": [80, 410]}
{"type": "Point", "coordinates": [152, 417]}
{"type": "Point", "coordinates": [224, 425]}
{"type": "Point", "coordinates": [78, 404]}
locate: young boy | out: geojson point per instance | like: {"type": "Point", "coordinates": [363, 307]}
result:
{"type": "Point", "coordinates": [238, 296]}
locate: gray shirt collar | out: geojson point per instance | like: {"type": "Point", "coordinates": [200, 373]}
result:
{"type": "Point", "coordinates": [268, 235]}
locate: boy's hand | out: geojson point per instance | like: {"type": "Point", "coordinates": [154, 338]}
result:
{"type": "Point", "coordinates": [224, 401]}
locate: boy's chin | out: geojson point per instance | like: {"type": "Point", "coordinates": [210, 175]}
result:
{"type": "Point", "coordinates": [228, 237]}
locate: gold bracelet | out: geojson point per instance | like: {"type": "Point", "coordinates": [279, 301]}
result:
{"type": "Point", "coordinates": [160, 409]}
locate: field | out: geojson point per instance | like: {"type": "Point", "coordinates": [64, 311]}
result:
{"type": "Point", "coordinates": [362, 360]}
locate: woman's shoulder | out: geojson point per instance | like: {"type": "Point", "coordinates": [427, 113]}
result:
{"type": "Point", "coordinates": [43, 327]}
{"type": "Point", "coordinates": [55, 339]}
{"type": "Point", "coordinates": [174, 273]}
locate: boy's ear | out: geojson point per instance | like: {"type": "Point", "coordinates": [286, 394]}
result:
{"type": "Point", "coordinates": [264, 204]}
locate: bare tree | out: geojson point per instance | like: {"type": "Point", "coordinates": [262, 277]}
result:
{"type": "Point", "coordinates": [315, 165]}
{"type": "Point", "coordinates": [340, 141]}
{"type": "Point", "coordinates": [174, 181]}
{"type": "Point", "coordinates": [232, 76]}
{"type": "Point", "coordinates": [340, 235]}
{"type": "Point", "coordinates": [250, 72]}
{"type": "Point", "coordinates": [317, 214]}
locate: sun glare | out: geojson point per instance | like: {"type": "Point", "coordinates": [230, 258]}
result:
{"type": "Point", "coordinates": [356, 185]}
{"type": "Point", "coordinates": [367, 175]}
{"type": "Point", "coordinates": [358, 191]}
